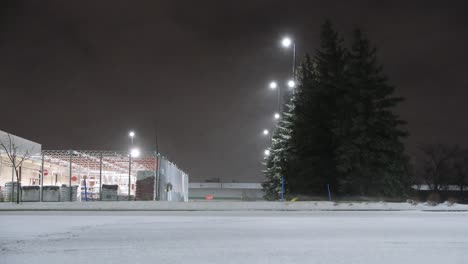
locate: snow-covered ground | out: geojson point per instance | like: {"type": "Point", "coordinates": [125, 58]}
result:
{"type": "Point", "coordinates": [234, 237]}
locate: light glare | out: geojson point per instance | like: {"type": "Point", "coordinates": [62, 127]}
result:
{"type": "Point", "coordinates": [291, 84]}
{"type": "Point", "coordinates": [265, 132]}
{"type": "Point", "coordinates": [286, 42]}
{"type": "Point", "coordinates": [135, 153]}
{"type": "Point", "coordinates": [273, 85]}
{"type": "Point", "coordinates": [277, 116]}
{"type": "Point", "coordinates": [267, 152]}
{"type": "Point", "coordinates": [131, 134]}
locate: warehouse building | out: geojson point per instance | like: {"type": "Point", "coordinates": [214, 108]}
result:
{"type": "Point", "coordinates": [92, 175]}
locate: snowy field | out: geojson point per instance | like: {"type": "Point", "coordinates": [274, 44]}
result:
{"type": "Point", "coordinates": [234, 237]}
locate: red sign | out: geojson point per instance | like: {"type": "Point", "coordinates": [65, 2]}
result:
{"type": "Point", "coordinates": [46, 172]}
{"type": "Point", "coordinates": [209, 197]}
{"type": "Point", "coordinates": [74, 178]}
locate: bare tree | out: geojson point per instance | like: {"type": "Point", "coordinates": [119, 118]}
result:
{"type": "Point", "coordinates": [16, 158]}
{"type": "Point", "coordinates": [460, 176]}
{"type": "Point", "coordinates": [438, 165]}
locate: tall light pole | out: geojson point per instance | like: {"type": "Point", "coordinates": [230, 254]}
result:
{"type": "Point", "coordinates": [288, 42]}
{"type": "Point", "coordinates": [133, 153]}
{"type": "Point", "coordinates": [274, 86]}
{"type": "Point", "coordinates": [266, 133]}
{"type": "Point", "coordinates": [131, 134]}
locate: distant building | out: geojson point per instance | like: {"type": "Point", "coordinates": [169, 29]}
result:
{"type": "Point", "coordinates": [225, 191]}
{"type": "Point", "coordinates": [445, 192]}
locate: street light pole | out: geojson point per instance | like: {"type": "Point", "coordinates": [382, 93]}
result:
{"type": "Point", "coordinates": [279, 99]}
{"type": "Point", "coordinates": [294, 61]}
{"type": "Point", "coordinates": [131, 134]}
{"type": "Point", "coordinates": [274, 86]}
{"type": "Point", "coordinates": [133, 153]}
{"type": "Point", "coordinates": [129, 173]}
{"type": "Point", "coordinates": [287, 42]}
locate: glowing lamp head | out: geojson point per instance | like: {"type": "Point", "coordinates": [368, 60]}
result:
{"type": "Point", "coordinates": [135, 153]}
{"type": "Point", "coordinates": [273, 85]}
{"type": "Point", "coordinates": [286, 42]}
{"type": "Point", "coordinates": [267, 152]}
{"type": "Point", "coordinates": [277, 116]}
{"type": "Point", "coordinates": [131, 134]}
{"type": "Point", "coordinates": [265, 132]}
{"type": "Point", "coordinates": [291, 84]}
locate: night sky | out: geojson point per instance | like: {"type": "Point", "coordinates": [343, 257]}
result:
{"type": "Point", "coordinates": [81, 74]}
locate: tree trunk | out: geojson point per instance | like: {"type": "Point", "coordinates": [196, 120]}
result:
{"type": "Point", "coordinates": [18, 180]}
{"type": "Point", "coordinates": [13, 175]}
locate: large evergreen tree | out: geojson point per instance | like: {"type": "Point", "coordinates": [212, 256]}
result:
{"type": "Point", "coordinates": [371, 157]}
{"type": "Point", "coordinates": [278, 160]}
{"type": "Point", "coordinates": [317, 112]}
{"type": "Point", "coordinates": [340, 127]}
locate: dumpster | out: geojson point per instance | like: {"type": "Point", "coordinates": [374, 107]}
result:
{"type": "Point", "coordinates": [11, 191]}
{"type": "Point", "coordinates": [65, 193]}
{"type": "Point", "coordinates": [31, 193]}
{"type": "Point", "coordinates": [50, 193]}
{"type": "Point", "coordinates": [109, 192]}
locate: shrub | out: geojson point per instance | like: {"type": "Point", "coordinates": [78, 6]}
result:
{"type": "Point", "coordinates": [451, 201]}
{"type": "Point", "coordinates": [433, 198]}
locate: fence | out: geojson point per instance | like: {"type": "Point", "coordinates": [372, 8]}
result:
{"type": "Point", "coordinates": [105, 175]}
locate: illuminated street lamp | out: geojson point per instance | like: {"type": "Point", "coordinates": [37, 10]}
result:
{"type": "Point", "coordinates": [277, 116]}
{"type": "Point", "coordinates": [273, 85]}
{"type": "Point", "coordinates": [134, 153]}
{"type": "Point", "coordinates": [131, 134]}
{"type": "Point", "coordinates": [291, 84]}
{"type": "Point", "coordinates": [288, 42]}
{"type": "Point", "coordinates": [266, 132]}
{"type": "Point", "coordinates": [267, 152]}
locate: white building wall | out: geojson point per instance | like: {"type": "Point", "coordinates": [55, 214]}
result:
{"type": "Point", "coordinates": [31, 166]}
{"type": "Point", "coordinates": [23, 145]}
{"type": "Point", "coordinates": [225, 191]}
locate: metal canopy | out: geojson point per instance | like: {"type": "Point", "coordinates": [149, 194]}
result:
{"type": "Point", "coordinates": [116, 161]}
